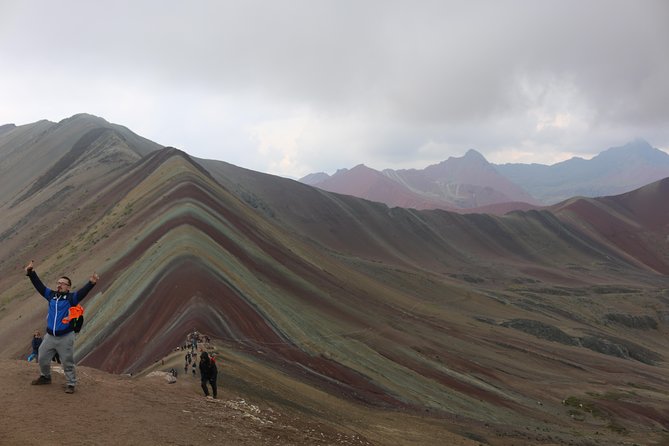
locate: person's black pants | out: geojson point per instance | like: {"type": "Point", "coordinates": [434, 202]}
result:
{"type": "Point", "coordinates": [211, 381]}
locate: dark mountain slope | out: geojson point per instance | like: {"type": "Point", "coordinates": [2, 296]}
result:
{"type": "Point", "coordinates": [6, 127]}
{"type": "Point", "coordinates": [636, 223]}
{"type": "Point", "coordinates": [644, 205]}
{"type": "Point", "coordinates": [44, 149]}
{"type": "Point", "coordinates": [63, 164]}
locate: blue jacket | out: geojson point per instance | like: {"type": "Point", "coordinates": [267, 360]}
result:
{"type": "Point", "coordinates": [59, 304]}
{"type": "Point", "coordinates": [36, 343]}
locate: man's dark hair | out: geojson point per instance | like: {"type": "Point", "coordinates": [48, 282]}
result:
{"type": "Point", "coordinates": [69, 282]}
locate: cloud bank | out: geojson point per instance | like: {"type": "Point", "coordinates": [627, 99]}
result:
{"type": "Point", "coordinates": [294, 87]}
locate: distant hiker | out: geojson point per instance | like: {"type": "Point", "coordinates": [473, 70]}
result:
{"type": "Point", "coordinates": [194, 337]}
{"type": "Point", "coordinates": [208, 374]}
{"type": "Point", "coordinates": [36, 342]}
{"type": "Point", "coordinates": [59, 337]}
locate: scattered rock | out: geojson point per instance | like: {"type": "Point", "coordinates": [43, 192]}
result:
{"type": "Point", "coordinates": [541, 330]}
{"type": "Point", "coordinates": [627, 320]}
{"type": "Point", "coordinates": [171, 379]}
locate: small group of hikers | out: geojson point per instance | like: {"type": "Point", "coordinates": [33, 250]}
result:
{"type": "Point", "coordinates": [208, 370]}
{"type": "Point", "coordinates": [193, 339]}
{"type": "Point", "coordinates": [58, 342]}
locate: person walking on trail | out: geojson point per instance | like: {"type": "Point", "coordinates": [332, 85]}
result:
{"type": "Point", "coordinates": [36, 342]}
{"type": "Point", "coordinates": [59, 337]}
{"type": "Point", "coordinates": [208, 373]}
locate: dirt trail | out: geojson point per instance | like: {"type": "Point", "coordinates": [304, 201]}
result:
{"type": "Point", "coordinates": [116, 410]}
{"type": "Point", "coordinates": [119, 410]}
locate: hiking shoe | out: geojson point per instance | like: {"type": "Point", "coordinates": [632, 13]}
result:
{"type": "Point", "coordinates": [69, 389]}
{"type": "Point", "coordinates": [41, 380]}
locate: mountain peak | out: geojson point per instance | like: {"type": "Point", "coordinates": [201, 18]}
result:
{"type": "Point", "coordinates": [638, 145]}
{"type": "Point", "coordinates": [473, 155]}
{"type": "Point", "coordinates": [637, 149]}
{"type": "Point", "coordinates": [83, 116]}
{"type": "Point", "coordinates": [314, 178]}
{"type": "Point", "coordinates": [361, 167]}
{"type": "Point", "coordinates": [6, 127]}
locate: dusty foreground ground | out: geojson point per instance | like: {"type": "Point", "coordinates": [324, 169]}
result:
{"type": "Point", "coordinates": [109, 409]}
{"type": "Point", "coordinates": [119, 410]}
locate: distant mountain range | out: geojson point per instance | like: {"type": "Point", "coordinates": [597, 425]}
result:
{"type": "Point", "coordinates": [472, 325]}
{"type": "Point", "coordinates": [472, 184]}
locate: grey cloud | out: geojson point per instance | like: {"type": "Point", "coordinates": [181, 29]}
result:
{"type": "Point", "coordinates": [455, 73]}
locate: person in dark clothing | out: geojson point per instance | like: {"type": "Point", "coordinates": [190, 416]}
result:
{"type": "Point", "coordinates": [208, 373]}
{"type": "Point", "coordinates": [36, 342]}
{"type": "Point", "coordinates": [59, 337]}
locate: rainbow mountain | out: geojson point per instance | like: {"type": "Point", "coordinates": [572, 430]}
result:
{"type": "Point", "coordinates": [472, 321]}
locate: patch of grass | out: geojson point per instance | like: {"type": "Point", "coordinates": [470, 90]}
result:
{"type": "Point", "coordinates": [476, 437]}
{"type": "Point", "coordinates": [585, 406]}
{"type": "Point", "coordinates": [615, 396]}
{"type": "Point", "coordinates": [613, 289]}
{"type": "Point", "coordinates": [646, 387]}
{"type": "Point", "coordinates": [578, 408]}
{"type": "Point", "coordinates": [617, 428]}
{"type": "Point", "coordinates": [468, 278]}
{"type": "Point", "coordinates": [572, 401]}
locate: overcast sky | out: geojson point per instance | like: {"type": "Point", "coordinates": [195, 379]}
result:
{"type": "Point", "coordinates": [293, 87]}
